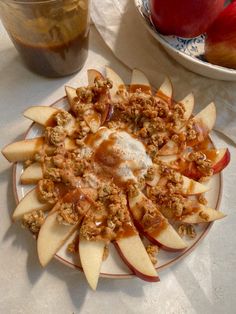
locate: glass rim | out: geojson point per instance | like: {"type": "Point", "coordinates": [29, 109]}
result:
{"type": "Point", "coordinates": [28, 2]}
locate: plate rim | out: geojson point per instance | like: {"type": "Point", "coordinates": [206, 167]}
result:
{"type": "Point", "coordinates": [131, 275]}
{"type": "Point", "coordinates": [206, 64]}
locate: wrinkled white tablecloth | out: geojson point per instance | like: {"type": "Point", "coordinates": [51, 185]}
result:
{"type": "Point", "coordinates": [125, 34]}
{"type": "Point", "coordinates": [204, 282]}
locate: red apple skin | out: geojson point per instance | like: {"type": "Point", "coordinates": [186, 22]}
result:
{"type": "Point", "coordinates": [220, 44]}
{"type": "Point", "coordinates": [221, 164]}
{"type": "Point", "coordinates": [153, 240]}
{"type": "Point", "coordinates": [192, 172]}
{"type": "Point", "coordinates": [134, 270]}
{"type": "Point", "coordinates": [185, 18]}
{"type": "Point", "coordinates": [110, 111]}
{"type": "Point", "coordinates": [220, 160]}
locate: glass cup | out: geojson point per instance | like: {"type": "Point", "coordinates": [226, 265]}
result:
{"type": "Point", "coordinates": [50, 35]}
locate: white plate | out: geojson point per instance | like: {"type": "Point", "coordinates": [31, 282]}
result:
{"type": "Point", "coordinates": [188, 52]}
{"type": "Point", "coordinates": [114, 267]}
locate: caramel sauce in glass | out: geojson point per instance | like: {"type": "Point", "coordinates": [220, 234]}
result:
{"type": "Point", "coordinates": [54, 60]}
{"type": "Point", "coordinates": [51, 36]}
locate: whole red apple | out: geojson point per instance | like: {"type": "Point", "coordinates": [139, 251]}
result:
{"type": "Point", "coordinates": [184, 18]}
{"type": "Point", "coordinates": [220, 45]}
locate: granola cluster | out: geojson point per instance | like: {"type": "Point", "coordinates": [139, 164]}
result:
{"type": "Point", "coordinates": [91, 98]}
{"type": "Point", "coordinates": [170, 204]}
{"type": "Point", "coordinates": [47, 191]}
{"type": "Point", "coordinates": [173, 180]}
{"type": "Point", "coordinates": [33, 221]}
{"type": "Point", "coordinates": [148, 214]}
{"type": "Point", "coordinates": [148, 117]}
{"type": "Point", "coordinates": [203, 164]}
{"type": "Point", "coordinates": [66, 167]}
{"type": "Point", "coordinates": [55, 135]}
{"type": "Point", "coordinates": [70, 213]}
{"type": "Point", "coordinates": [63, 117]}
{"type": "Point", "coordinates": [110, 217]}
{"type": "Point", "coordinates": [152, 220]}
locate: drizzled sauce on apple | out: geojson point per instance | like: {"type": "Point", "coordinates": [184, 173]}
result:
{"type": "Point", "coordinates": [201, 131]}
{"type": "Point", "coordinates": [143, 88]}
{"type": "Point", "coordinates": [148, 218]}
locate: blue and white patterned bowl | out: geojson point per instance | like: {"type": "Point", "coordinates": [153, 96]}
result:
{"type": "Point", "coordinates": [188, 52]}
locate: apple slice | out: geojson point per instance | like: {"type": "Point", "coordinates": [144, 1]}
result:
{"type": "Point", "coordinates": [134, 254]}
{"type": "Point", "coordinates": [92, 75]}
{"type": "Point", "coordinates": [91, 117]}
{"type": "Point", "coordinates": [222, 159]}
{"type": "Point", "coordinates": [29, 203]}
{"type": "Point", "coordinates": [170, 148]}
{"type": "Point", "coordinates": [53, 234]}
{"type": "Point", "coordinates": [26, 149]}
{"type": "Point", "coordinates": [192, 187]}
{"type": "Point", "coordinates": [139, 81]}
{"type": "Point", "coordinates": [189, 186]}
{"type": "Point", "coordinates": [71, 95]}
{"type": "Point", "coordinates": [165, 235]}
{"type": "Point", "coordinates": [165, 91]}
{"type": "Point", "coordinates": [116, 81]}
{"type": "Point", "coordinates": [188, 103]}
{"type": "Point", "coordinates": [93, 120]}
{"type": "Point", "coordinates": [32, 174]}
{"type": "Point", "coordinates": [169, 240]}
{"type": "Point", "coordinates": [168, 159]}
{"type": "Point", "coordinates": [51, 237]}
{"type": "Point", "coordinates": [41, 114]}
{"type": "Point", "coordinates": [206, 118]}
{"type": "Point", "coordinates": [204, 121]}
{"type": "Point", "coordinates": [91, 255]}
{"type": "Point", "coordinates": [139, 78]}
{"type": "Point", "coordinates": [44, 116]}
{"type": "Point", "coordinates": [155, 179]}
{"type": "Point", "coordinates": [23, 150]}
{"type": "Point", "coordinates": [204, 214]}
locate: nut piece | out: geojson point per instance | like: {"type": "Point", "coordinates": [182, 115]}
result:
{"type": "Point", "coordinates": [187, 229]}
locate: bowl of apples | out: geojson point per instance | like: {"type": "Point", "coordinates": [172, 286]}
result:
{"type": "Point", "coordinates": [199, 35]}
{"type": "Point", "coordinates": [118, 180]}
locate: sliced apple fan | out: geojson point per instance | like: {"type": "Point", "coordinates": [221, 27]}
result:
{"type": "Point", "coordinates": [172, 161]}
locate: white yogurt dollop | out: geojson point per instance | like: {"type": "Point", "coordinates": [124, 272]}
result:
{"type": "Point", "coordinates": [121, 154]}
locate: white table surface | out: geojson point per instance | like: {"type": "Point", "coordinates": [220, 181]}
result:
{"type": "Point", "coordinates": [203, 282]}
